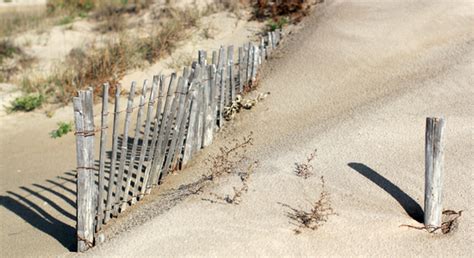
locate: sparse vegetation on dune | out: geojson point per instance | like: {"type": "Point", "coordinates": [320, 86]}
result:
{"type": "Point", "coordinates": [319, 213]}
{"type": "Point", "coordinates": [109, 63]}
{"type": "Point", "coordinates": [294, 9]}
{"type": "Point", "coordinates": [26, 103]}
{"type": "Point", "coordinates": [123, 50]}
{"type": "Point", "coordinates": [15, 22]}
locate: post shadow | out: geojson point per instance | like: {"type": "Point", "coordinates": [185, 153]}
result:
{"type": "Point", "coordinates": [411, 207]}
{"type": "Point", "coordinates": [28, 207]}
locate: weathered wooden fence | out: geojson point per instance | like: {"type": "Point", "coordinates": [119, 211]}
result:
{"type": "Point", "coordinates": [178, 117]}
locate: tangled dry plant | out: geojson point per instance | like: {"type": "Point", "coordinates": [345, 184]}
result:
{"type": "Point", "coordinates": [449, 224]}
{"type": "Point", "coordinates": [305, 169]}
{"type": "Point", "coordinates": [227, 162]}
{"type": "Point", "coordinates": [236, 197]}
{"type": "Point", "coordinates": [229, 158]}
{"type": "Point", "coordinates": [239, 103]}
{"type": "Point", "coordinates": [314, 218]}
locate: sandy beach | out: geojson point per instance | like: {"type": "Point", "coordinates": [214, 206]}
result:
{"type": "Point", "coordinates": [357, 83]}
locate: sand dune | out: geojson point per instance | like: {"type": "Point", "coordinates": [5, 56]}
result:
{"type": "Point", "coordinates": [356, 82]}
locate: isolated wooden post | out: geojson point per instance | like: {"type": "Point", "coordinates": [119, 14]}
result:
{"type": "Point", "coordinates": [434, 152]}
{"type": "Point", "coordinates": [84, 121]}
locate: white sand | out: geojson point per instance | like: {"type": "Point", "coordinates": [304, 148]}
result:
{"type": "Point", "coordinates": [37, 189]}
{"type": "Point", "coordinates": [357, 83]}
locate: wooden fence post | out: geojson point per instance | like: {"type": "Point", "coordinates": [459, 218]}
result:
{"type": "Point", "coordinates": [230, 90]}
{"type": "Point", "coordinates": [124, 146]}
{"type": "Point", "coordinates": [133, 155]}
{"type": "Point", "coordinates": [434, 152]}
{"type": "Point", "coordinates": [146, 136]}
{"type": "Point", "coordinates": [111, 185]}
{"type": "Point", "coordinates": [85, 212]}
{"type": "Point", "coordinates": [102, 157]}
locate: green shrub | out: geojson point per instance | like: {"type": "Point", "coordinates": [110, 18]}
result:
{"type": "Point", "coordinates": [63, 129]}
{"type": "Point", "coordinates": [26, 103]}
{"type": "Point", "coordinates": [277, 24]}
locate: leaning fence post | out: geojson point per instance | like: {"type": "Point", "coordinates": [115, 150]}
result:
{"type": "Point", "coordinates": [84, 121]}
{"type": "Point", "coordinates": [434, 152]}
{"type": "Point", "coordinates": [103, 139]}
{"type": "Point", "coordinates": [113, 160]}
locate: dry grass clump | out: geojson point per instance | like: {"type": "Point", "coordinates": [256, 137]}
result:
{"type": "Point", "coordinates": [296, 9]}
{"type": "Point", "coordinates": [108, 63]}
{"type": "Point", "coordinates": [15, 22]}
{"type": "Point", "coordinates": [305, 169]}
{"type": "Point", "coordinates": [316, 216]}
{"type": "Point", "coordinates": [12, 59]}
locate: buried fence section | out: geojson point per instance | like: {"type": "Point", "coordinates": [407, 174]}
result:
{"type": "Point", "coordinates": [177, 119]}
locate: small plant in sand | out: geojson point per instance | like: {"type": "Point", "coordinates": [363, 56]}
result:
{"type": "Point", "coordinates": [26, 103]}
{"type": "Point", "coordinates": [236, 197]}
{"type": "Point", "coordinates": [277, 24]}
{"type": "Point", "coordinates": [229, 158]}
{"type": "Point", "coordinates": [314, 218]}
{"type": "Point", "coordinates": [63, 129]}
{"type": "Point", "coordinates": [227, 161]}
{"type": "Point", "coordinates": [450, 223]}
{"type": "Point", "coordinates": [305, 169]}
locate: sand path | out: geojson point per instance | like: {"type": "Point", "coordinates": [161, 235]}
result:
{"type": "Point", "coordinates": [357, 83]}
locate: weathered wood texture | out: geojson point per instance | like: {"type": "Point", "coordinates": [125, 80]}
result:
{"type": "Point", "coordinates": [434, 156]}
{"type": "Point", "coordinates": [178, 122]}
{"type": "Point", "coordinates": [124, 147]}
{"type": "Point", "coordinates": [111, 184]}
{"type": "Point", "coordinates": [86, 209]}
{"type": "Point", "coordinates": [102, 157]}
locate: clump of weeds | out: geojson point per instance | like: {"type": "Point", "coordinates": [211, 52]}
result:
{"type": "Point", "coordinates": [63, 129]}
{"type": "Point", "coordinates": [236, 197]}
{"type": "Point", "coordinates": [305, 169]}
{"type": "Point", "coordinates": [26, 103]}
{"type": "Point", "coordinates": [231, 160]}
{"type": "Point", "coordinates": [314, 218]}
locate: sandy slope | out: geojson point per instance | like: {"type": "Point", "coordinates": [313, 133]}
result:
{"type": "Point", "coordinates": [357, 83]}
{"type": "Point", "coordinates": [37, 187]}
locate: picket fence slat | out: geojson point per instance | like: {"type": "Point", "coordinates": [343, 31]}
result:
{"type": "Point", "coordinates": [133, 155]}
{"type": "Point", "coordinates": [103, 142]}
{"type": "Point", "coordinates": [124, 148]}
{"type": "Point", "coordinates": [157, 157]}
{"type": "Point", "coordinates": [141, 183]}
{"type": "Point", "coordinates": [113, 159]}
